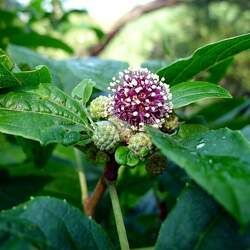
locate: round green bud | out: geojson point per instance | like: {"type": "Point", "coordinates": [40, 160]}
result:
{"type": "Point", "coordinates": [124, 130]}
{"type": "Point", "coordinates": [156, 164]}
{"type": "Point", "coordinates": [99, 107]}
{"type": "Point", "coordinates": [170, 123]}
{"type": "Point", "coordinates": [106, 136]}
{"type": "Point", "coordinates": [140, 144]}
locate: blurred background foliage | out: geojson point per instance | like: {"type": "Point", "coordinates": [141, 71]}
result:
{"type": "Point", "coordinates": [165, 34]}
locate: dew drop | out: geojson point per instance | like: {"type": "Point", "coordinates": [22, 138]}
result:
{"type": "Point", "coordinates": [201, 145]}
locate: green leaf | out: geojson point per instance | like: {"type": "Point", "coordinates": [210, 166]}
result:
{"type": "Point", "coordinates": [20, 234]}
{"type": "Point", "coordinates": [68, 73]}
{"type": "Point", "coordinates": [10, 79]}
{"type": "Point", "coordinates": [189, 92]}
{"type": "Point", "coordinates": [246, 132]}
{"type": "Point", "coordinates": [34, 77]}
{"type": "Point", "coordinates": [196, 222]}
{"type": "Point", "coordinates": [45, 114]}
{"type": "Point", "coordinates": [7, 78]}
{"type": "Point", "coordinates": [234, 113]}
{"type": "Point", "coordinates": [218, 160]}
{"type": "Point", "coordinates": [204, 58]}
{"type": "Point", "coordinates": [63, 226]}
{"type": "Point", "coordinates": [132, 159]}
{"type": "Point", "coordinates": [58, 178]}
{"type": "Point", "coordinates": [83, 90]}
{"type": "Point", "coordinates": [218, 71]}
{"type": "Point", "coordinates": [10, 152]}
{"type": "Point", "coordinates": [35, 152]}
{"type": "Point", "coordinates": [121, 155]}
{"type": "Point", "coordinates": [33, 39]}
{"type": "Point", "coordinates": [5, 60]}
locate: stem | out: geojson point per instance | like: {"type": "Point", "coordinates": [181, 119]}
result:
{"type": "Point", "coordinates": [82, 177]}
{"type": "Point", "coordinates": [118, 217]}
{"type": "Point", "coordinates": [91, 202]}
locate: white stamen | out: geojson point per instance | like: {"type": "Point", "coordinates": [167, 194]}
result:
{"type": "Point", "coordinates": [138, 89]}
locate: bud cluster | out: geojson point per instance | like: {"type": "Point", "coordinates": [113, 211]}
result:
{"type": "Point", "coordinates": [137, 98]}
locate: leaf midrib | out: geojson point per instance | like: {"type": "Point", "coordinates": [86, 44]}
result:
{"type": "Point", "coordinates": [39, 113]}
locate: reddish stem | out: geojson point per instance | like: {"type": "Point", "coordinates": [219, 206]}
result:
{"type": "Point", "coordinates": [110, 174]}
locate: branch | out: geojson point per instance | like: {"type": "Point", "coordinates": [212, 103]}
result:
{"type": "Point", "coordinates": [110, 174]}
{"type": "Point", "coordinates": [90, 203]}
{"type": "Point", "coordinates": [128, 17]}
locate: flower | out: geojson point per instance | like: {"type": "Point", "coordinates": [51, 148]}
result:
{"type": "Point", "coordinates": [140, 98]}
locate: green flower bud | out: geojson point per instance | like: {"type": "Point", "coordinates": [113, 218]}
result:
{"type": "Point", "coordinates": [99, 107]}
{"type": "Point", "coordinates": [170, 123]}
{"type": "Point", "coordinates": [156, 164]}
{"type": "Point", "coordinates": [124, 130]}
{"type": "Point", "coordinates": [106, 136]}
{"type": "Point", "coordinates": [140, 144]}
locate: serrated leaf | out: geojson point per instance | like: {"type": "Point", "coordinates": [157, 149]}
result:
{"type": "Point", "coordinates": [67, 73]}
{"type": "Point", "coordinates": [197, 222]}
{"type": "Point", "coordinates": [189, 92]}
{"type": "Point", "coordinates": [34, 77]}
{"type": "Point", "coordinates": [204, 58]}
{"type": "Point", "coordinates": [63, 226]}
{"type": "Point", "coordinates": [10, 79]}
{"type": "Point", "coordinates": [45, 114]}
{"type": "Point", "coordinates": [83, 90]}
{"type": "Point", "coordinates": [218, 160]}
{"type": "Point", "coordinates": [20, 234]}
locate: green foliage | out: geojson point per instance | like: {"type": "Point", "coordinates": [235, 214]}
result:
{"type": "Point", "coordinates": [189, 92]}
{"type": "Point", "coordinates": [11, 79]}
{"type": "Point", "coordinates": [83, 90]}
{"type": "Point", "coordinates": [36, 115]}
{"type": "Point", "coordinates": [63, 226]}
{"type": "Point", "coordinates": [203, 225]}
{"type": "Point", "coordinates": [218, 160]}
{"type": "Point", "coordinates": [67, 73]}
{"type": "Point", "coordinates": [204, 58]}
{"type": "Point", "coordinates": [14, 31]}
{"type": "Point", "coordinates": [121, 154]}
{"type": "Point", "coordinates": [45, 114]}
{"type": "Point", "coordinates": [20, 234]}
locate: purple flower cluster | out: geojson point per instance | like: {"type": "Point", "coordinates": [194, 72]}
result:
{"type": "Point", "coordinates": [140, 98]}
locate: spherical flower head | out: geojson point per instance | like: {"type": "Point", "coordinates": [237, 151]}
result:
{"type": "Point", "coordinates": [99, 107]}
{"type": "Point", "coordinates": [140, 98]}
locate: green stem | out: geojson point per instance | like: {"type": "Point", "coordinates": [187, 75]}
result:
{"type": "Point", "coordinates": [118, 217]}
{"type": "Point", "coordinates": [81, 174]}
